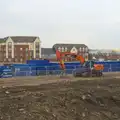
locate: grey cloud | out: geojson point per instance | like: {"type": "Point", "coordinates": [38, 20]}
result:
{"type": "Point", "coordinates": [92, 22]}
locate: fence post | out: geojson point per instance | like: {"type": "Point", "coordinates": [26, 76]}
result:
{"type": "Point", "coordinates": [46, 70]}
{"type": "Point", "coordinates": [75, 67]}
{"type": "Point", "coordinates": [110, 69]}
{"type": "Point", "coordinates": [15, 73]}
{"type": "Point", "coordinates": [30, 71]}
{"type": "Point", "coordinates": [116, 68]}
{"type": "Point", "coordinates": [25, 73]}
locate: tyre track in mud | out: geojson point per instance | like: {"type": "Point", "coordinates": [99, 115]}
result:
{"type": "Point", "coordinates": [30, 80]}
{"type": "Point", "coordinates": [79, 100]}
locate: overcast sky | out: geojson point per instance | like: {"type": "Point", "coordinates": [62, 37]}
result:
{"type": "Point", "coordinates": [95, 23]}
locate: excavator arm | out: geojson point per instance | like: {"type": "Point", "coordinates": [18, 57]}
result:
{"type": "Point", "coordinates": [60, 56]}
{"type": "Point", "coordinates": [80, 58]}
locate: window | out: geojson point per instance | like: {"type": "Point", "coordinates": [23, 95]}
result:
{"type": "Point", "coordinates": [15, 59]}
{"type": "Point", "coordinates": [59, 49]}
{"type": "Point", "coordinates": [15, 54]}
{"type": "Point", "coordinates": [37, 54]}
{"type": "Point", "coordinates": [26, 49]}
{"type": "Point", "coordinates": [4, 54]}
{"type": "Point", "coordinates": [21, 55]}
{"type": "Point", "coordinates": [74, 50]}
{"type": "Point", "coordinates": [62, 49]}
{"type": "Point", "coordinates": [4, 49]}
{"type": "Point", "coordinates": [37, 51]}
{"type": "Point", "coordinates": [9, 48]}
{"type": "Point", "coordinates": [65, 49]}
{"type": "Point", "coordinates": [9, 59]}
{"type": "Point", "coordinates": [5, 59]}
{"type": "Point", "coordinates": [80, 49]}
{"type": "Point", "coordinates": [9, 54]}
{"type": "Point", "coordinates": [30, 53]}
{"type": "Point", "coordinates": [10, 44]}
{"type": "Point", "coordinates": [37, 45]}
{"type": "Point", "coordinates": [108, 54]}
{"type": "Point", "coordinates": [21, 60]}
{"type": "Point", "coordinates": [27, 54]}
{"type": "Point", "coordinates": [21, 49]}
{"type": "Point", "coordinates": [83, 49]}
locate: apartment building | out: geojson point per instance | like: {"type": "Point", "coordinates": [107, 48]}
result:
{"type": "Point", "coordinates": [80, 49]}
{"type": "Point", "coordinates": [19, 48]}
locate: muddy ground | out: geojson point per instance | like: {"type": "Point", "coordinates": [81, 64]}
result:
{"type": "Point", "coordinates": [97, 99]}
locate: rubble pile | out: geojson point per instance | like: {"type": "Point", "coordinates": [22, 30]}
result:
{"type": "Point", "coordinates": [81, 100]}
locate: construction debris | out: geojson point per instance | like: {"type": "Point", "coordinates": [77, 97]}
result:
{"type": "Point", "coordinates": [80, 100]}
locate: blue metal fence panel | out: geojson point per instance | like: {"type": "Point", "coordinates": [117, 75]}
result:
{"type": "Point", "coordinates": [21, 68]}
{"type": "Point", "coordinates": [6, 73]}
{"type": "Point", "coordinates": [42, 67]}
{"type": "Point", "coordinates": [37, 61]}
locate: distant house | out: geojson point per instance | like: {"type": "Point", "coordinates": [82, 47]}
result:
{"type": "Point", "coordinates": [80, 49]}
{"type": "Point", "coordinates": [48, 53]}
{"type": "Point", "coordinates": [20, 48]}
{"type": "Point", "coordinates": [106, 54]}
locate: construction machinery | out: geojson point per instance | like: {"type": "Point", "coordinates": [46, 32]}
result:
{"type": "Point", "coordinates": [87, 68]}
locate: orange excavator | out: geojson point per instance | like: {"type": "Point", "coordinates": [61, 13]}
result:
{"type": "Point", "coordinates": [88, 68]}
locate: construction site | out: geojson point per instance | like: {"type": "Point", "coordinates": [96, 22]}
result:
{"type": "Point", "coordinates": [44, 90]}
{"type": "Point", "coordinates": [65, 98]}
{"type": "Point", "coordinates": [60, 60]}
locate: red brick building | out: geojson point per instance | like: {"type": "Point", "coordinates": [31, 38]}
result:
{"type": "Point", "coordinates": [19, 49]}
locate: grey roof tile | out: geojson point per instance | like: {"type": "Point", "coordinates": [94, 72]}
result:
{"type": "Point", "coordinates": [69, 46]}
{"type": "Point", "coordinates": [20, 39]}
{"type": "Point", "coordinates": [23, 38]}
{"type": "Point", "coordinates": [2, 40]}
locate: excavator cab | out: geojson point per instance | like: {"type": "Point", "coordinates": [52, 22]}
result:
{"type": "Point", "coordinates": [89, 64]}
{"type": "Point", "coordinates": [93, 65]}
{"type": "Point", "coordinates": [89, 68]}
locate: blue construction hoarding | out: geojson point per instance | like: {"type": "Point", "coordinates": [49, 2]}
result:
{"type": "Point", "coordinates": [43, 67]}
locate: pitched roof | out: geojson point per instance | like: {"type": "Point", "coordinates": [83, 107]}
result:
{"type": "Point", "coordinates": [23, 38]}
{"type": "Point", "coordinates": [2, 40]}
{"type": "Point", "coordinates": [47, 51]}
{"type": "Point", "coordinates": [69, 46]}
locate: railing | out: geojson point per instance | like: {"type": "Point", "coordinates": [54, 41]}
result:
{"type": "Point", "coordinates": [48, 71]}
{"type": "Point", "coordinates": [54, 70]}
{"type": "Point", "coordinates": [43, 73]}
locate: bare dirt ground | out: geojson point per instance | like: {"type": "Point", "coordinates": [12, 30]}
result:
{"type": "Point", "coordinates": [43, 98]}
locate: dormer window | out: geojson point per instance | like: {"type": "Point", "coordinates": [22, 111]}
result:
{"type": "Point", "coordinates": [83, 49]}
{"type": "Point", "coordinates": [59, 49]}
{"type": "Point", "coordinates": [86, 49]}
{"type": "Point", "coordinates": [80, 49]}
{"type": "Point", "coordinates": [65, 49]}
{"type": "Point", "coordinates": [62, 49]}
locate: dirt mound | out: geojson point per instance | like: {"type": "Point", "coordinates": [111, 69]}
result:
{"type": "Point", "coordinates": [81, 100]}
